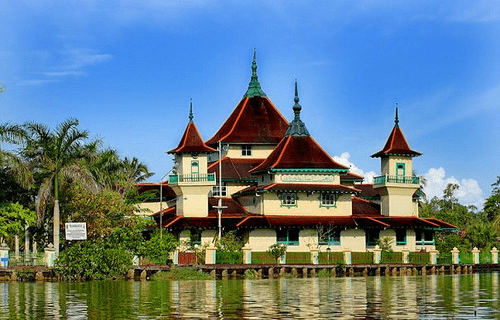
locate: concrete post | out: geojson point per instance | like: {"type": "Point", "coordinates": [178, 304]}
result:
{"type": "Point", "coordinates": [175, 259]}
{"type": "Point", "coordinates": [210, 255]}
{"type": "Point", "coordinates": [314, 255]}
{"type": "Point", "coordinates": [282, 260]}
{"type": "Point", "coordinates": [347, 256]}
{"type": "Point", "coordinates": [475, 255]}
{"type": "Point", "coordinates": [377, 254]}
{"type": "Point", "coordinates": [406, 255]}
{"type": "Point", "coordinates": [455, 255]}
{"type": "Point", "coordinates": [35, 252]}
{"type": "Point", "coordinates": [49, 255]}
{"type": "Point", "coordinates": [494, 255]}
{"type": "Point", "coordinates": [247, 254]}
{"type": "Point", "coordinates": [16, 247]}
{"type": "Point", "coordinates": [4, 255]}
{"type": "Point", "coordinates": [26, 245]}
{"type": "Point", "coordinates": [433, 257]}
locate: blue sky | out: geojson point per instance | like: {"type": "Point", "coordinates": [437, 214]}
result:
{"type": "Point", "coordinates": [127, 69]}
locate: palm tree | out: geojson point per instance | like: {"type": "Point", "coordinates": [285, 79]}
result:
{"type": "Point", "coordinates": [58, 157]}
{"type": "Point", "coordinates": [14, 134]}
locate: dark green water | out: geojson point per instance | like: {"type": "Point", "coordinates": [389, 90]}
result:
{"type": "Point", "coordinates": [473, 296]}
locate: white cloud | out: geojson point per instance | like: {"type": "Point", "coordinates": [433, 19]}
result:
{"type": "Point", "coordinates": [469, 192]}
{"type": "Point", "coordinates": [344, 160]}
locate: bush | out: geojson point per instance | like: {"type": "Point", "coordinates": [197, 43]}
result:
{"type": "Point", "coordinates": [94, 260]}
{"type": "Point", "coordinates": [278, 251]}
{"type": "Point", "coordinates": [158, 248]}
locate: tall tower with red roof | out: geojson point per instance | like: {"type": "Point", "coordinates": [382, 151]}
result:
{"type": "Point", "coordinates": [191, 180]}
{"type": "Point", "coordinates": [397, 184]}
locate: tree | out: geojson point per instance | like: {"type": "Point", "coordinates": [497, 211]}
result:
{"type": "Point", "coordinates": [277, 250]}
{"type": "Point", "coordinates": [14, 218]}
{"type": "Point", "coordinates": [449, 194]}
{"type": "Point", "coordinates": [57, 157]}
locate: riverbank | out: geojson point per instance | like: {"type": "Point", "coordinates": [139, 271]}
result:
{"type": "Point", "coordinates": [37, 273]}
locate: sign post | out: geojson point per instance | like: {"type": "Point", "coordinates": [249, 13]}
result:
{"type": "Point", "coordinates": [76, 231]}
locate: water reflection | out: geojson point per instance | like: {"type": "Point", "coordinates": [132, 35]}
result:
{"type": "Point", "coordinates": [472, 296]}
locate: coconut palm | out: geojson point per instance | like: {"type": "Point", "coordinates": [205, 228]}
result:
{"type": "Point", "coordinates": [9, 159]}
{"type": "Point", "coordinates": [57, 157]}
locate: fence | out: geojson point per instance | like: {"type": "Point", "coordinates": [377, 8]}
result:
{"type": "Point", "coordinates": [298, 257]}
{"type": "Point", "coordinates": [362, 257]}
{"type": "Point", "coordinates": [331, 258]}
{"type": "Point", "coordinates": [23, 260]}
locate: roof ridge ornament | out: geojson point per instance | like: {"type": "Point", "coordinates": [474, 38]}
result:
{"type": "Point", "coordinates": [254, 88]}
{"type": "Point", "coordinates": [191, 116]}
{"type": "Point", "coordinates": [297, 127]}
{"type": "Point", "coordinates": [396, 120]}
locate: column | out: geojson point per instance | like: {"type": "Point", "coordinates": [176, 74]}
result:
{"type": "Point", "coordinates": [210, 255]}
{"type": "Point", "coordinates": [433, 257]}
{"type": "Point", "coordinates": [454, 255]}
{"type": "Point", "coordinates": [494, 255]}
{"type": "Point", "coordinates": [377, 254]}
{"type": "Point", "coordinates": [49, 255]}
{"type": "Point", "coordinates": [406, 255]}
{"type": "Point", "coordinates": [475, 255]}
{"type": "Point", "coordinates": [347, 256]}
{"type": "Point", "coordinates": [4, 255]}
{"type": "Point", "coordinates": [247, 254]}
{"type": "Point", "coordinates": [314, 255]}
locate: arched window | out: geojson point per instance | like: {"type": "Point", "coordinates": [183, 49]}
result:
{"type": "Point", "coordinates": [195, 168]}
{"type": "Point", "coordinates": [400, 172]}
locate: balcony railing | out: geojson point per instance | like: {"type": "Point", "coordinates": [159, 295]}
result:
{"type": "Point", "coordinates": [191, 178]}
{"type": "Point", "coordinates": [396, 179]}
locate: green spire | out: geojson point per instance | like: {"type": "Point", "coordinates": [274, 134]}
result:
{"type": "Point", "coordinates": [297, 127]}
{"type": "Point", "coordinates": [191, 116]}
{"type": "Point", "coordinates": [254, 88]}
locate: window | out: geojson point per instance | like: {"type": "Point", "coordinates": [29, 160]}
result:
{"type": "Point", "coordinates": [400, 172]}
{"type": "Point", "coordinates": [328, 200]}
{"type": "Point", "coordinates": [289, 199]}
{"type": "Point", "coordinates": [425, 237]}
{"type": "Point", "coordinates": [372, 237]}
{"type": "Point", "coordinates": [401, 237]}
{"type": "Point", "coordinates": [329, 237]}
{"type": "Point", "coordinates": [195, 167]}
{"type": "Point", "coordinates": [215, 190]}
{"type": "Point", "coordinates": [246, 150]}
{"type": "Point", "coordinates": [289, 237]}
{"type": "Point", "coordinates": [195, 237]}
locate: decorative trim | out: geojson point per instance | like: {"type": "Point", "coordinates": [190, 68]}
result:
{"type": "Point", "coordinates": [309, 170]}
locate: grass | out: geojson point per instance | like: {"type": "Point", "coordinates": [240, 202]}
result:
{"type": "Point", "coordinates": [181, 274]}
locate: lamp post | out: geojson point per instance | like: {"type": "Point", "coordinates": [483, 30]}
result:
{"type": "Point", "coordinates": [219, 204]}
{"type": "Point", "coordinates": [328, 254]}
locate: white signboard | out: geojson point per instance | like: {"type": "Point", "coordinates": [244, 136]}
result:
{"type": "Point", "coordinates": [76, 231]}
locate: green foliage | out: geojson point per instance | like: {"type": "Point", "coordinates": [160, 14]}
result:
{"type": "Point", "coordinates": [262, 258]}
{"type": "Point", "coordinates": [278, 251]}
{"type": "Point", "coordinates": [94, 260]}
{"type": "Point", "coordinates": [181, 274]}
{"type": "Point", "coordinates": [13, 219]}
{"type": "Point", "coordinates": [385, 243]}
{"type": "Point", "coordinates": [159, 247]}
{"type": "Point", "coordinates": [229, 249]}
{"type": "Point", "coordinates": [298, 258]}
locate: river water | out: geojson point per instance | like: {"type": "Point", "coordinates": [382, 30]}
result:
{"type": "Point", "coordinates": [471, 296]}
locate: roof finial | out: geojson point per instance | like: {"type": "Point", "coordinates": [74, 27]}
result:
{"type": "Point", "coordinates": [297, 127]}
{"type": "Point", "coordinates": [254, 88]}
{"type": "Point", "coordinates": [396, 120]}
{"type": "Point", "coordinates": [191, 116]}
{"type": "Point", "coordinates": [296, 107]}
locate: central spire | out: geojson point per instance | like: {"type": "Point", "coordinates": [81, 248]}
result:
{"type": "Point", "coordinates": [396, 120]}
{"type": "Point", "coordinates": [191, 116]}
{"type": "Point", "coordinates": [297, 127]}
{"type": "Point", "coordinates": [254, 89]}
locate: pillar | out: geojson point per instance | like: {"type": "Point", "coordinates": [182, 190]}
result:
{"type": "Point", "coordinates": [475, 255]}
{"type": "Point", "coordinates": [377, 254]}
{"type": "Point", "coordinates": [433, 257]}
{"type": "Point", "coordinates": [314, 255]}
{"type": "Point", "coordinates": [49, 255]}
{"type": "Point", "coordinates": [247, 254]}
{"type": "Point", "coordinates": [494, 255]}
{"type": "Point", "coordinates": [347, 256]}
{"type": "Point", "coordinates": [175, 259]}
{"type": "Point", "coordinates": [406, 255]}
{"type": "Point", "coordinates": [4, 255]}
{"type": "Point", "coordinates": [454, 255]}
{"type": "Point", "coordinates": [210, 255]}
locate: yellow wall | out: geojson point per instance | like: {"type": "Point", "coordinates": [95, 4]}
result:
{"type": "Point", "coordinates": [307, 204]}
{"type": "Point", "coordinates": [259, 151]}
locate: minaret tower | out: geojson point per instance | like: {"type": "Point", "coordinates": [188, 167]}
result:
{"type": "Point", "coordinates": [397, 184]}
{"type": "Point", "coordinates": [190, 181]}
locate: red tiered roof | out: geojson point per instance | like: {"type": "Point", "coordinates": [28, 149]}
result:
{"type": "Point", "coordinates": [191, 141]}
{"type": "Point", "coordinates": [298, 152]}
{"type": "Point", "coordinates": [396, 143]}
{"type": "Point", "coordinates": [235, 169]}
{"type": "Point", "coordinates": [255, 120]}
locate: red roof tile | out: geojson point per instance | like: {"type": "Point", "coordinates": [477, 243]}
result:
{"type": "Point", "coordinates": [364, 207]}
{"type": "Point", "coordinates": [191, 141]}
{"type": "Point", "coordinates": [233, 208]}
{"type": "Point", "coordinates": [351, 176]}
{"type": "Point", "coordinates": [396, 144]}
{"type": "Point", "coordinates": [298, 152]}
{"type": "Point", "coordinates": [235, 169]}
{"type": "Point", "coordinates": [255, 120]}
{"type": "Point", "coordinates": [167, 192]}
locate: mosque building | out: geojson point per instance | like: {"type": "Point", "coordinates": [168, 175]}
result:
{"type": "Point", "coordinates": [270, 181]}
